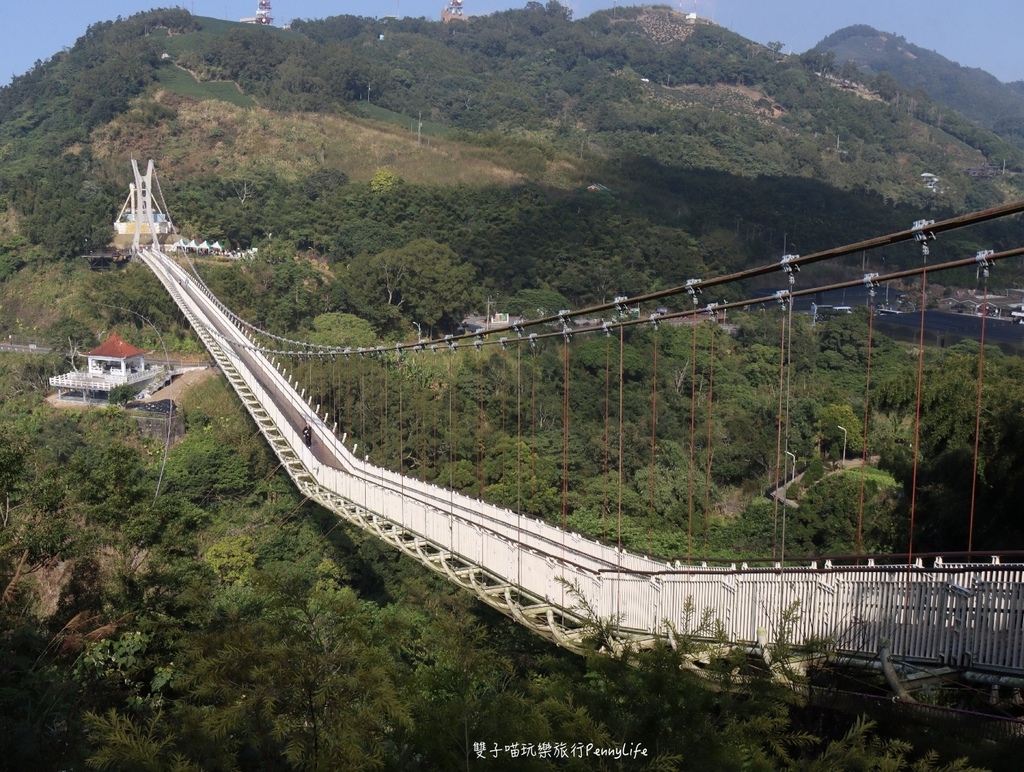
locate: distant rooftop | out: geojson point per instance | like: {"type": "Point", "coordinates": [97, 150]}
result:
{"type": "Point", "coordinates": [115, 348]}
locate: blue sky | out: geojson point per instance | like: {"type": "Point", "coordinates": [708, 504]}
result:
{"type": "Point", "coordinates": [985, 34]}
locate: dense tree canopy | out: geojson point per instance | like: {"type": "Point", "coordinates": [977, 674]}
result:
{"type": "Point", "coordinates": [226, 623]}
{"type": "Point", "coordinates": [197, 613]}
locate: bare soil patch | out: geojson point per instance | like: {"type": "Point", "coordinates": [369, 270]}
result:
{"type": "Point", "coordinates": [175, 388]}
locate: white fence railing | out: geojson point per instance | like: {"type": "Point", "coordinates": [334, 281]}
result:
{"type": "Point", "coordinates": [90, 381]}
{"type": "Point", "coordinates": [966, 615]}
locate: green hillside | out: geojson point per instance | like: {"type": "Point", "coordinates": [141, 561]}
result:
{"type": "Point", "coordinates": [178, 81]}
{"type": "Point", "coordinates": [969, 91]}
{"type": "Point", "coordinates": [702, 132]}
{"type": "Point", "coordinates": [170, 601]}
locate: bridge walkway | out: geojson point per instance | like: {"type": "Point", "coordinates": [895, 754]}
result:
{"type": "Point", "coordinates": [964, 615]}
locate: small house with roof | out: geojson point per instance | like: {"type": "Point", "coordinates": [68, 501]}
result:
{"type": "Point", "coordinates": [111, 364]}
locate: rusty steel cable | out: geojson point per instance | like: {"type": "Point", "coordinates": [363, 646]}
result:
{"type": "Point", "coordinates": [977, 412]}
{"type": "Point", "coordinates": [867, 414]}
{"type": "Point", "coordinates": [693, 428]}
{"type": "Point", "coordinates": [778, 441]}
{"type": "Point", "coordinates": [707, 469]}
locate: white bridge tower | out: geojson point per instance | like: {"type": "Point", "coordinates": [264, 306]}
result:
{"type": "Point", "coordinates": [141, 216]}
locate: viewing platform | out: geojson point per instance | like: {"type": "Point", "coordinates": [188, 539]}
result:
{"type": "Point", "coordinates": [112, 364]}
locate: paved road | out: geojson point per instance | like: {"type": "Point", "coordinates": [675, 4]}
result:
{"type": "Point", "coordinates": [943, 328]}
{"type": "Point", "coordinates": [31, 348]}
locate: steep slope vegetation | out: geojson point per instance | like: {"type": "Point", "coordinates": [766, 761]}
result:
{"type": "Point", "coordinates": [970, 91]}
{"type": "Point", "coordinates": [710, 143]}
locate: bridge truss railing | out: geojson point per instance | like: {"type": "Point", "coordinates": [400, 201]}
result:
{"type": "Point", "coordinates": [963, 615]}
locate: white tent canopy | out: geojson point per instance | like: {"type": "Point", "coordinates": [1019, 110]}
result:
{"type": "Point", "coordinates": [181, 245]}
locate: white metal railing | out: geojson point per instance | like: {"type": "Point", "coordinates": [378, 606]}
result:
{"type": "Point", "coordinates": [84, 380]}
{"type": "Point", "coordinates": [967, 615]}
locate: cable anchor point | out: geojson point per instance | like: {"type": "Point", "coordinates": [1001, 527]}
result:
{"type": "Point", "coordinates": [871, 281]}
{"type": "Point", "coordinates": [791, 267]}
{"type": "Point", "coordinates": [982, 259]}
{"type": "Point", "coordinates": [922, 235]}
{"type": "Point", "coordinates": [566, 330]}
{"type": "Point", "coordinates": [693, 287]}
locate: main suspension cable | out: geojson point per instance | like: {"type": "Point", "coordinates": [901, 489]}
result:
{"type": "Point", "coordinates": [790, 262]}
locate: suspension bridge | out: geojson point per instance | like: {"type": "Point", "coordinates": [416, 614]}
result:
{"type": "Point", "coordinates": [962, 612]}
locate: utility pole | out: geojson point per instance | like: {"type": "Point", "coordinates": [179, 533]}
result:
{"type": "Point", "coordinates": [843, 430]}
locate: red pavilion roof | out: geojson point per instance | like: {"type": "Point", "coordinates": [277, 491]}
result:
{"type": "Point", "coordinates": [115, 348]}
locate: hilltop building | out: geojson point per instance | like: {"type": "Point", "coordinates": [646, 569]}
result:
{"type": "Point", "coordinates": [454, 12]}
{"type": "Point", "coordinates": [263, 15]}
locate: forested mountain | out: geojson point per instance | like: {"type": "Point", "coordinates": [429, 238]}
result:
{"type": "Point", "coordinates": [694, 128]}
{"type": "Point", "coordinates": [170, 601]}
{"type": "Point", "coordinates": [970, 91]}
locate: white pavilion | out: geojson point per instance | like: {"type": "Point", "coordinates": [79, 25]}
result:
{"type": "Point", "coordinates": [111, 364]}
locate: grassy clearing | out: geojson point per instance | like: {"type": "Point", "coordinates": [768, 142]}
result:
{"type": "Point", "coordinates": [215, 30]}
{"type": "Point", "coordinates": [878, 476]}
{"type": "Point", "coordinates": [382, 114]}
{"type": "Point", "coordinates": [212, 136]}
{"type": "Point", "coordinates": [179, 81]}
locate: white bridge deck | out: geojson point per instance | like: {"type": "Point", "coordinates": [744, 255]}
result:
{"type": "Point", "coordinates": [968, 616]}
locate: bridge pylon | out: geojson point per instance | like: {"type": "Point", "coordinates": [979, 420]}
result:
{"type": "Point", "coordinates": [141, 216]}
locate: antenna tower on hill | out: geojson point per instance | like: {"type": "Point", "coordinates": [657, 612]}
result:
{"type": "Point", "coordinates": [453, 12]}
{"type": "Point", "coordinates": [263, 13]}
